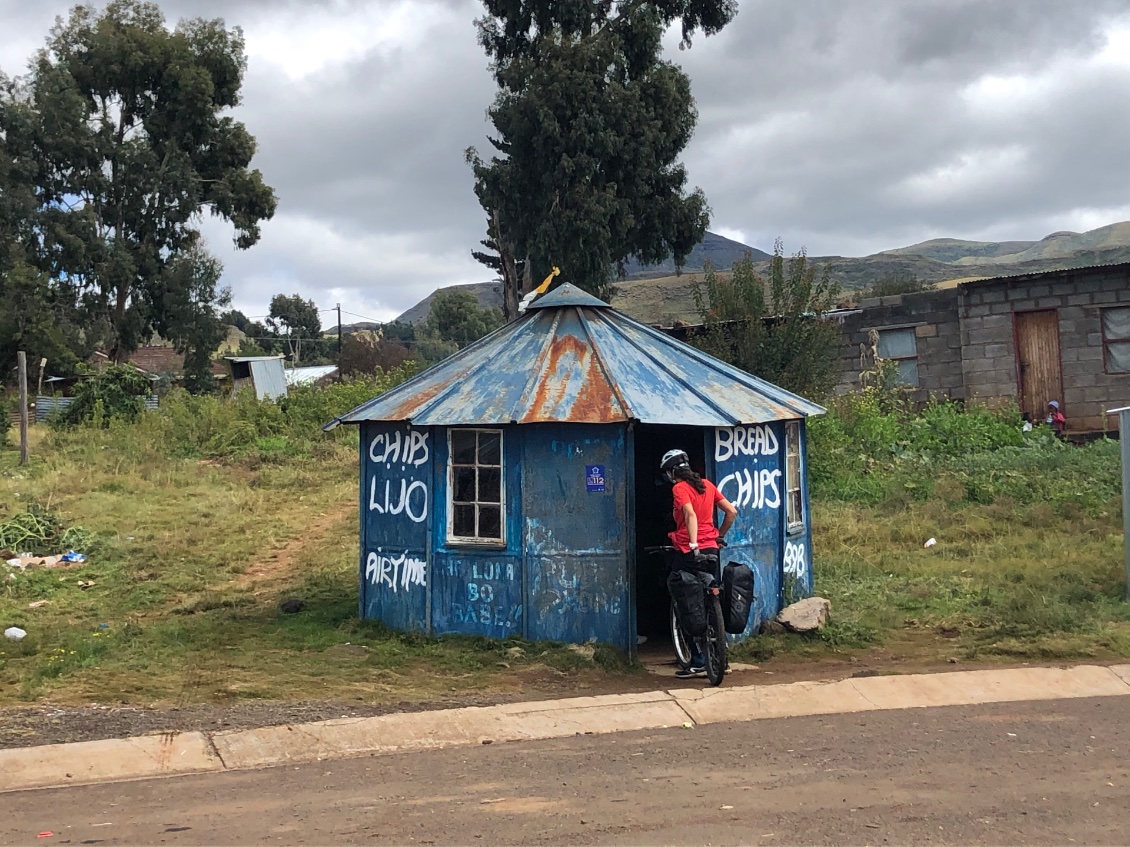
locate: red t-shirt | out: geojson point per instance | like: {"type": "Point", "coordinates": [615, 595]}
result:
{"type": "Point", "coordinates": [703, 505]}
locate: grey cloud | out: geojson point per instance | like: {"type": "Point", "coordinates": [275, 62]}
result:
{"type": "Point", "coordinates": [847, 126]}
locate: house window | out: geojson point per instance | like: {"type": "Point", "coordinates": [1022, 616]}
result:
{"type": "Point", "coordinates": [1116, 339]}
{"type": "Point", "coordinates": [475, 490]}
{"type": "Point", "coordinates": [794, 502]}
{"type": "Point", "coordinates": [901, 347]}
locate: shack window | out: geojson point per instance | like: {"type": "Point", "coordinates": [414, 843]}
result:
{"type": "Point", "coordinates": [794, 503]}
{"type": "Point", "coordinates": [1116, 339]}
{"type": "Point", "coordinates": [901, 347]}
{"type": "Point", "coordinates": [475, 496]}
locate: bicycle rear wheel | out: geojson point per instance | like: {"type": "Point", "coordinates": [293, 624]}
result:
{"type": "Point", "coordinates": [714, 642]}
{"type": "Point", "coordinates": [684, 646]}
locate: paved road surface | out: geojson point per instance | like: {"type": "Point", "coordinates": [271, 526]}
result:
{"type": "Point", "coordinates": [1022, 773]}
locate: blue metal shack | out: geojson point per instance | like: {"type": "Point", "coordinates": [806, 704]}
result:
{"type": "Point", "coordinates": [510, 489]}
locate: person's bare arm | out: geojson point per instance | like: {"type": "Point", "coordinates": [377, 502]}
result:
{"type": "Point", "coordinates": [730, 513]}
{"type": "Point", "coordinates": [692, 523]}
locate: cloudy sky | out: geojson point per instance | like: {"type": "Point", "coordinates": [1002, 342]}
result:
{"type": "Point", "coordinates": [844, 126]}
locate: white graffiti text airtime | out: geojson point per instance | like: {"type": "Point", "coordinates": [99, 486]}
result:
{"type": "Point", "coordinates": [795, 561]}
{"type": "Point", "coordinates": [407, 450]}
{"type": "Point", "coordinates": [397, 572]}
{"type": "Point", "coordinates": [749, 488]}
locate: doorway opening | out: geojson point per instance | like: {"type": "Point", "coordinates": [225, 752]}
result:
{"type": "Point", "coordinates": [654, 521]}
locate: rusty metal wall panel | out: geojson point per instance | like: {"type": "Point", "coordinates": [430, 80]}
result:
{"type": "Point", "coordinates": [396, 485]}
{"type": "Point", "coordinates": [577, 538]}
{"type": "Point", "coordinates": [1037, 354]}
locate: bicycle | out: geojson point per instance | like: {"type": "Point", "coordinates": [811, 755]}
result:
{"type": "Point", "coordinates": [713, 641]}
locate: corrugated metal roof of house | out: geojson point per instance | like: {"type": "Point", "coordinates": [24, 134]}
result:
{"type": "Point", "coordinates": [574, 359]}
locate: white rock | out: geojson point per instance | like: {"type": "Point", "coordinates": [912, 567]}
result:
{"type": "Point", "coordinates": [807, 615]}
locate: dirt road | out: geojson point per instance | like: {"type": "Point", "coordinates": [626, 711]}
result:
{"type": "Point", "coordinates": [1035, 773]}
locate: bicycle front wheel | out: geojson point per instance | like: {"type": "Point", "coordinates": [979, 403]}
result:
{"type": "Point", "coordinates": [714, 641]}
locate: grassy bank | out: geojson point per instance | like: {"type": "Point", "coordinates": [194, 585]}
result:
{"type": "Point", "coordinates": [201, 518]}
{"type": "Point", "coordinates": [1028, 562]}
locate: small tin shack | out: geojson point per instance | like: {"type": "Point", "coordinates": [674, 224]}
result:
{"type": "Point", "coordinates": [511, 489]}
{"type": "Point", "coordinates": [264, 374]}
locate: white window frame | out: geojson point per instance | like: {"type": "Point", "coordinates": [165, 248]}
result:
{"type": "Point", "coordinates": [914, 335]}
{"type": "Point", "coordinates": [794, 476]}
{"type": "Point", "coordinates": [476, 540]}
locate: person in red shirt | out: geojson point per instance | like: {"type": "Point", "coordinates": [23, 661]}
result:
{"type": "Point", "coordinates": [1055, 419]}
{"type": "Point", "coordinates": [694, 503]}
{"type": "Point", "coordinates": [695, 500]}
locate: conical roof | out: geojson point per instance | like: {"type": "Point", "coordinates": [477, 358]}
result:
{"type": "Point", "coordinates": [574, 359]}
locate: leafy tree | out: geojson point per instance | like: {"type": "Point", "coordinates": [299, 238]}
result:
{"type": "Point", "coordinates": [236, 318]}
{"type": "Point", "coordinates": [589, 124]}
{"type": "Point", "coordinates": [455, 316]}
{"type": "Point", "coordinates": [898, 282]}
{"type": "Point", "coordinates": [773, 328]}
{"type": "Point", "coordinates": [30, 320]}
{"type": "Point", "coordinates": [122, 124]}
{"type": "Point", "coordinates": [186, 309]}
{"type": "Point", "coordinates": [296, 321]}
{"type": "Point", "coordinates": [367, 352]}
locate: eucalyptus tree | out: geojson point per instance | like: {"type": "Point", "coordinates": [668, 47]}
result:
{"type": "Point", "coordinates": [589, 122]}
{"type": "Point", "coordinates": [124, 126]}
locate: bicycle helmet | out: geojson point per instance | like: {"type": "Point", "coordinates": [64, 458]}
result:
{"type": "Point", "coordinates": [673, 459]}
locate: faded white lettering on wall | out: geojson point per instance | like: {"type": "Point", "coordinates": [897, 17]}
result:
{"type": "Point", "coordinates": [400, 452]}
{"type": "Point", "coordinates": [757, 440]}
{"type": "Point", "coordinates": [485, 599]}
{"type": "Point", "coordinates": [795, 561]}
{"type": "Point", "coordinates": [399, 572]}
{"type": "Point", "coordinates": [752, 488]}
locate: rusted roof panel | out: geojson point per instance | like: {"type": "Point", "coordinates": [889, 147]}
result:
{"type": "Point", "coordinates": [574, 359]}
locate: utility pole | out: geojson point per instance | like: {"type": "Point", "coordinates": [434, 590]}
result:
{"type": "Point", "coordinates": [1124, 442]}
{"type": "Point", "coordinates": [339, 333]}
{"type": "Point", "coordinates": [21, 360]}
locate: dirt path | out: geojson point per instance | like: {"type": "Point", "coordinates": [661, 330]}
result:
{"type": "Point", "coordinates": [280, 565]}
{"type": "Point", "coordinates": [1052, 772]}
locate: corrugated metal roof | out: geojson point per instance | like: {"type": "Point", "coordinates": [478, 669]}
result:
{"type": "Point", "coordinates": [1037, 275]}
{"type": "Point", "coordinates": [573, 358]}
{"type": "Point", "coordinates": [307, 375]}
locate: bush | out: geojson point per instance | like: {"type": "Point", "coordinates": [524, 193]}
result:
{"type": "Point", "coordinates": [117, 392]}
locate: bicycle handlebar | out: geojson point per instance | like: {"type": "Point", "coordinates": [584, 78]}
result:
{"type": "Point", "coordinates": [664, 548]}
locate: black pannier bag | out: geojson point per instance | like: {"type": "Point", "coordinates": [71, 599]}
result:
{"type": "Point", "coordinates": [690, 606]}
{"type": "Point", "coordinates": [737, 596]}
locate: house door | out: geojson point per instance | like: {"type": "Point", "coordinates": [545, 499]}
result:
{"type": "Point", "coordinates": [1037, 355]}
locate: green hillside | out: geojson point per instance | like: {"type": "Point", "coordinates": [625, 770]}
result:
{"type": "Point", "coordinates": [659, 296]}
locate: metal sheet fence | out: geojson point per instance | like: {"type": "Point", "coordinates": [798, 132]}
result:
{"type": "Point", "coordinates": [46, 406]}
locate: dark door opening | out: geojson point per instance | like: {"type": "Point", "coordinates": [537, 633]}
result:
{"type": "Point", "coordinates": [654, 520]}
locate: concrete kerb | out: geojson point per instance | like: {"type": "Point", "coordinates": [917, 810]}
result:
{"type": "Point", "coordinates": [192, 752]}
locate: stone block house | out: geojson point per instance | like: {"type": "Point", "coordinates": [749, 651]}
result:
{"type": "Point", "coordinates": [1057, 335]}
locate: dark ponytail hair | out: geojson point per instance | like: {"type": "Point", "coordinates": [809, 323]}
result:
{"type": "Point", "coordinates": [683, 473]}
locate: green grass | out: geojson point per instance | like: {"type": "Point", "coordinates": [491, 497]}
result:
{"type": "Point", "coordinates": [190, 555]}
{"type": "Point", "coordinates": [200, 519]}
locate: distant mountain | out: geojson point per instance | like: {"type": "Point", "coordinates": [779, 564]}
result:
{"type": "Point", "coordinates": [720, 251]}
{"type": "Point", "coordinates": [489, 295]}
{"type": "Point", "coordinates": [656, 295]}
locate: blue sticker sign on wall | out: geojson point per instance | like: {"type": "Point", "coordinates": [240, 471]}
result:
{"type": "Point", "coordinates": [594, 479]}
